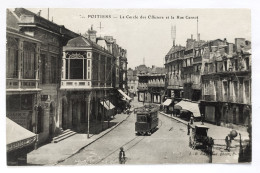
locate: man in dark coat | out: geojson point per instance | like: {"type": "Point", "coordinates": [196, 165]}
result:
{"type": "Point", "coordinates": [122, 156]}
{"type": "Point", "coordinates": [188, 126]}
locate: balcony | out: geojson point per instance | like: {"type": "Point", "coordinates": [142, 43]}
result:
{"type": "Point", "coordinates": [156, 84]}
{"type": "Point", "coordinates": [22, 85]}
{"type": "Point", "coordinates": [76, 84]}
{"type": "Point", "coordinates": [209, 97]}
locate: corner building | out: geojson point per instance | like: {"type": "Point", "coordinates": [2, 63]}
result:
{"type": "Point", "coordinates": [86, 82]}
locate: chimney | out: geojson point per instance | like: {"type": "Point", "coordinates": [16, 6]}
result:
{"type": "Point", "coordinates": [198, 37]}
{"type": "Point", "coordinates": [225, 41]}
{"type": "Point", "coordinates": [92, 34]}
{"type": "Point", "coordinates": [192, 36]}
{"type": "Point", "coordinates": [239, 43]}
{"type": "Point", "coordinates": [39, 13]}
{"type": "Point", "coordinates": [230, 48]}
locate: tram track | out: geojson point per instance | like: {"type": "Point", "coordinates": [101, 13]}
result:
{"type": "Point", "coordinates": [127, 146]}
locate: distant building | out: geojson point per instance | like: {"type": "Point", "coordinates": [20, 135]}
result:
{"type": "Point", "coordinates": [151, 83]}
{"type": "Point", "coordinates": [132, 82]}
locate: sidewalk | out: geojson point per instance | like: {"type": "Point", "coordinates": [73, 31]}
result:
{"type": "Point", "coordinates": [219, 133]}
{"type": "Point", "coordinates": [53, 153]}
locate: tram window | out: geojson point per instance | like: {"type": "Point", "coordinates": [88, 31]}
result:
{"type": "Point", "coordinates": [141, 118]}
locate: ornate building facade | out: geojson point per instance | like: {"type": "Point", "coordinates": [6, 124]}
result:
{"type": "Point", "coordinates": [37, 62]}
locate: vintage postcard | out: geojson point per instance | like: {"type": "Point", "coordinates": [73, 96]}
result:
{"type": "Point", "coordinates": [92, 86]}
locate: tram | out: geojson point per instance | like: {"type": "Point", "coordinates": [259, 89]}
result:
{"type": "Point", "coordinates": [146, 120]}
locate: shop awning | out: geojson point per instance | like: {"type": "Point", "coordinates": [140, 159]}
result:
{"type": "Point", "coordinates": [167, 102]}
{"type": "Point", "coordinates": [107, 104]}
{"type": "Point", "coordinates": [124, 95]}
{"type": "Point", "coordinates": [17, 136]}
{"type": "Point", "coordinates": [192, 107]}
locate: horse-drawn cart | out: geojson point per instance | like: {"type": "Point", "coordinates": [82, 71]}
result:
{"type": "Point", "coordinates": [199, 137]}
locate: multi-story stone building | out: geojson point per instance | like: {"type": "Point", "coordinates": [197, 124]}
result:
{"type": "Point", "coordinates": [174, 77]}
{"type": "Point", "coordinates": [156, 84]}
{"type": "Point", "coordinates": [132, 82]}
{"type": "Point", "coordinates": [226, 82]}
{"type": "Point", "coordinates": [143, 95]}
{"type": "Point", "coordinates": [191, 72]}
{"type": "Point", "coordinates": [22, 75]}
{"type": "Point", "coordinates": [91, 83]}
{"type": "Point", "coordinates": [151, 85]}
{"type": "Point", "coordinates": [37, 62]}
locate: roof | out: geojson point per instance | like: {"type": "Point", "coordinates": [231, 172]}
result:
{"type": "Point", "coordinates": [146, 109]}
{"type": "Point", "coordinates": [17, 136]}
{"type": "Point", "coordinates": [79, 42]}
{"type": "Point", "coordinates": [175, 49]}
{"type": "Point", "coordinates": [26, 19]}
{"type": "Point", "coordinates": [83, 42]}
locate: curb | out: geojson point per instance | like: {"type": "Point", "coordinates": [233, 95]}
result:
{"type": "Point", "coordinates": [183, 122]}
{"type": "Point", "coordinates": [109, 130]}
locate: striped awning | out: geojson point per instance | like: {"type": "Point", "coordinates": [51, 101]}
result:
{"type": "Point", "coordinates": [167, 102]}
{"type": "Point", "coordinates": [107, 104]}
{"type": "Point", "coordinates": [190, 106]}
{"type": "Point", "coordinates": [124, 95]}
{"type": "Point", "coordinates": [17, 136]}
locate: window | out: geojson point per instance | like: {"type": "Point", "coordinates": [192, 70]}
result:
{"type": "Point", "coordinates": [141, 118]}
{"type": "Point", "coordinates": [76, 65]}
{"type": "Point", "coordinates": [225, 66]}
{"type": "Point", "coordinates": [19, 102]}
{"type": "Point", "coordinates": [247, 63]}
{"type": "Point", "coordinates": [247, 91]}
{"type": "Point", "coordinates": [12, 58]}
{"type": "Point", "coordinates": [95, 66]}
{"type": "Point", "coordinates": [225, 90]}
{"type": "Point", "coordinates": [43, 66]}
{"type": "Point", "coordinates": [29, 63]}
{"type": "Point", "coordinates": [76, 69]}
{"type": "Point", "coordinates": [53, 69]}
{"type": "Point", "coordinates": [236, 64]}
{"type": "Point", "coordinates": [235, 85]}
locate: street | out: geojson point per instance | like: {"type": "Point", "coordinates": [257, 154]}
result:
{"type": "Point", "coordinates": [169, 144]}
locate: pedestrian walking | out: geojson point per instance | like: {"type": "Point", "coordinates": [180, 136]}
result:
{"type": "Point", "coordinates": [202, 119]}
{"type": "Point", "coordinates": [228, 142]}
{"type": "Point", "coordinates": [122, 156]}
{"type": "Point", "coordinates": [188, 126]}
{"type": "Point", "coordinates": [191, 119]}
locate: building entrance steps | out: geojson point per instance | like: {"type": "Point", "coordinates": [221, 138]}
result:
{"type": "Point", "coordinates": [64, 135]}
{"type": "Point", "coordinates": [53, 153]}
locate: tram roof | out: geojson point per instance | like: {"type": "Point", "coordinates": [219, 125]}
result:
{"type": "Point", "coordinates": [146, 110]}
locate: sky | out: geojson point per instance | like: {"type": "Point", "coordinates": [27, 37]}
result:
{"type": "Point", "coordinates": [150, 39]}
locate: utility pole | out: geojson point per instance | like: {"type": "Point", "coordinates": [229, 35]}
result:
{"type": "Point", "coordinates": [100, 27]}
{"type": "Point", "coordinates": [89, 98]}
